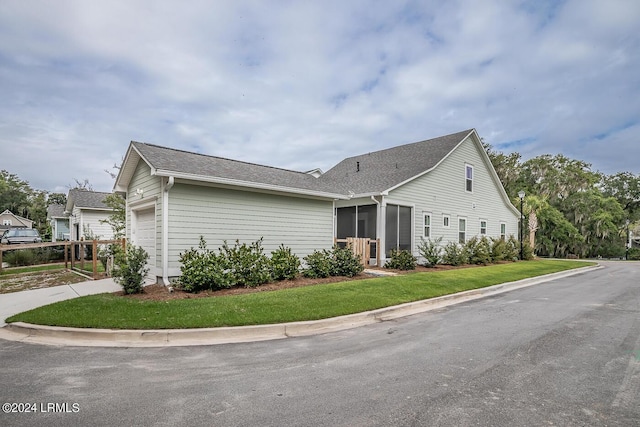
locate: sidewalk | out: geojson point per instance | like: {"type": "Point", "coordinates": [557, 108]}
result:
{"type": "Point", "coordinates": [17, 302]}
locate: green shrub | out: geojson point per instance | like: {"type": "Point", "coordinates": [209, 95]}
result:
{"type": "Point", "coordinates": [512, 249]}
{"type": "Point", "coordinates": [401, 260]}
{"type": "Point", "coordinates": [319, 264]}
{"type": "Point", "coordinates": [284, 264]}
{"type": "Point", "coordinates": [454, 254]}
{"type": "Point", "coordinates": [345, 262]}
{"type": "Point", "coordinates": [498, 250]}
{"type": "Point", "coordinates": [634, 254]}
{"type": "Point", "coordinates": [248, 263]}
{"type": "Point", "coordinates": [202, 269]}
{"type": "Point", "coordinates": [337, 262]}
{"type": "Point", "coordinates": [431, 251]}
{"type": "Point", "coordinates": [130, 269]}
{"type": "Point", "coordinates": [478, 250]}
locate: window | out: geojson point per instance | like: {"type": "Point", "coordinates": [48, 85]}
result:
{"type": "Point", "coordinates": [445, 221]}
{"type": "Point", "coordinates": [483, 227]}
{"type": "Point", "coordinates": [469, 178]}
{"type": "Point", "coordinates": [427, 225]}
{"type": "Point", "coordinates": [462, 230]}
{"type": "Point", "coordinates": [6, 222]}
{"type": "Point", "coordinates": [503, 231]}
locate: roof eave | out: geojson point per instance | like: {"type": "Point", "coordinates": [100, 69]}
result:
{"type": "Point", "coordinates": [250, 185]}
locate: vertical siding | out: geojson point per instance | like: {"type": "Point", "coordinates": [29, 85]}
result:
{"type": "Point", "coordinates": [151, 186]}
{"type": "Point", "coordinates": [442, 192]}
{"type": "Point", "coordinates": [222, 214]}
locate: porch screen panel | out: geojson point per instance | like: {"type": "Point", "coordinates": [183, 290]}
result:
{"type": "Point", "coordinates": [346, 222]}
{"type": "Point", "coordinates": [391, 227]}
{"type": "Point", "coordinates": [367, 221]}
{"type": "Point", "coordinates": [404, 228]}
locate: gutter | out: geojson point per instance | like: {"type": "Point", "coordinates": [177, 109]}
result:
{"type": "Point", "coordinates": [165, 231]}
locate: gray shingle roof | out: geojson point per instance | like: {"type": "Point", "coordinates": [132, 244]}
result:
{"type": "Point", "coordinates": [55, 211]}
{"type": "Point", "coordinates": [378, 171]}
{"type": "Point", "coordinates": [172, 160]}
{"type": "Point", "coordinates": [382, 170]}
{"type": "Point", "coordinates": [87, 199]}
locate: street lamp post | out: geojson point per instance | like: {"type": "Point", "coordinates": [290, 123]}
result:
{"type": "Point", "coordinates": [627, 243]}
{"type": "Point", "coordinates": [521, 195]}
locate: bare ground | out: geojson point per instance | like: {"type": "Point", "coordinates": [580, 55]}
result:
{"type": "Point", "coordinates": [38, 280]}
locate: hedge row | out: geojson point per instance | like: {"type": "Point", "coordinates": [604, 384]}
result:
{"type": "Point", "coordinates": [247, 265]}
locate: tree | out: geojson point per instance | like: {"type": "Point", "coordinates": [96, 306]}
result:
{"type": "Point", "coordinates": [625, 187]}
{"type": "Point", "coordinates": [14, 193]}
{"type": "Point", "coordinates": [117, 219]}
{"type": "Point", "coordinates": [57, 199]}
{"type": "Point", "coordinates": [508, 168]}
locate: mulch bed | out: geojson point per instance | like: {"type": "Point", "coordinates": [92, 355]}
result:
{"type": "Point", "coordinates": [158, 292]}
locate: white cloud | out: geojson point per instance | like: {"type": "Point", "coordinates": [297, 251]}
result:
{"type": "Point", "coordinates": [304, 84]}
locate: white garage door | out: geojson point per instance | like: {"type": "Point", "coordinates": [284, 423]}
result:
{"type": "Point", "coordinates": [145, 235]}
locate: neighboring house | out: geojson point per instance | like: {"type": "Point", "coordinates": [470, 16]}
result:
{"type": "Point", "coordinates": [86, 210]}
{"type": "Point", "coordinates": [440, 187]}
{"type": "Point", "coordinates": [59, 222]}
{"type": "Point", "coordinates": [9, 220]}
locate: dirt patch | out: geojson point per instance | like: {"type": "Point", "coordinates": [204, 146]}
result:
{"type": "Point", "coordinates": [161, 293]}
{"type": "Point", "coordinates": [44, 279]}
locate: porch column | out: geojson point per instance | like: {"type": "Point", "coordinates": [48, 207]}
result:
{"type": "Point", "coordinates": [382, 228]}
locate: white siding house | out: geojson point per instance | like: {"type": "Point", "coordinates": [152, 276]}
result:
{"type": "Point", "coordinates": [440, 187]}
{"type": "Point", "coordinates": [86, 210]}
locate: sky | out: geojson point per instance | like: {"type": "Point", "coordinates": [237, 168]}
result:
{"type": "Point", "coordinates": [303, 84]}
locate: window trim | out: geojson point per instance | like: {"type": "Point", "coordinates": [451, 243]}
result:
{"type": "Point", "coordinates": [426, 234]}
{"type": "Point", "coordinates": [468, 181]}
{"type": "Point", "coordinates": [462, 232]}
{"type": "Point", "coordinates": [485, 227]}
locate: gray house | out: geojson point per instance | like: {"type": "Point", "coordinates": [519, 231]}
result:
{"type": "Point", "coordinates": [440, 187]}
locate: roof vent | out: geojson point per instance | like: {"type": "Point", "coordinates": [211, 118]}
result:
{"type": "Point", "coordinates": [357, 166]}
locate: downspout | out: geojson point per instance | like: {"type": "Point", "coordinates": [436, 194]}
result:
{"type": "Point", "coordinates": [165, 231]}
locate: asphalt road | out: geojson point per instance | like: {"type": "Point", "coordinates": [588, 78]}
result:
{"type": "Point", "coordinates": [566, 353]}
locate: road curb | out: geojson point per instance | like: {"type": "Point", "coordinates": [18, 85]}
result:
{"type": "Point", "coordinates": [85, 337]}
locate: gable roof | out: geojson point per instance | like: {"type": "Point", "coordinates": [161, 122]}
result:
{"type": "Point", "coordinates": [373, 173]}
{"type": "Point", "coordinates": [379, 171]}
{"type": "Point", "coordinates": [193, 166]}
{"type": "Point", "coordinates": [85, 199]}
{"type": "Point", "coordinates": [26, 222]}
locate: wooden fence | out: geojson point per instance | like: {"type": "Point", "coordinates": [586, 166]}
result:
{"type": "Point", "coordinates": [361, 247]}
{"type": "Point", "coordinates": [70, 248]}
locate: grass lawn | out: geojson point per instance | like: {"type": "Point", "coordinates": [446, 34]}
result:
{"type": "Point", "coordinates": [287, 305]}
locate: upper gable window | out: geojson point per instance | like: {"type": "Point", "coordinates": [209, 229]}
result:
{"type": "Point", "coordinates": [6, 222]}
{"type": "Point", "coordinates": [468, 174]}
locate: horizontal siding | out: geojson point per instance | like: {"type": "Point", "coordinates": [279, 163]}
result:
{"type": "Point", "coordinates": [223, 214]}
{"type": "Point", "coordinates": [151, 186]}
{"type": "Point", "coordinates": [91, 221]}
{"type": "Point", "coordinates": [442, 192]}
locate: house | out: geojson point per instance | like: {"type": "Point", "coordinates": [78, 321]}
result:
{"type": "Point", "coordinates": [443, 187]}
{"type": "Point", "coordinates": [9, 220]}
{"type": "Point", "coordinates": [59, 222]}
{"type": "Point", "coordinates": [440, 187]}
{"type": "Point", "coordinates": [86, 210]}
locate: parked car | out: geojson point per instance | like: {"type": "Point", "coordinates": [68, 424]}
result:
{"type": "Point", "coordinates": [20, 235]}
